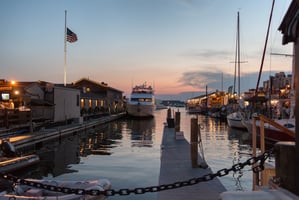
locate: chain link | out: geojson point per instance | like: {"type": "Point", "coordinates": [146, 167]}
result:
{"type": "Point", "coordinates": [257, 164]}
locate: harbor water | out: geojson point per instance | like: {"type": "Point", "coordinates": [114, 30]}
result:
{"type": "Point", "coordinates": [127, 152]}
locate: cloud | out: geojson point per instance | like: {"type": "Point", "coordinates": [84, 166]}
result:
{"type": "Point", "coordinates": [200, 79]}
{"type": "Point", "coordinates": [216, 80]}
{"type": "Point", "coordinates": [208, 53]}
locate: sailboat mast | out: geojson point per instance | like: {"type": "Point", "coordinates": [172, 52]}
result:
{"type": "Point", "coordinates": [238, 42]}
{"type": "Point", "coordinates": [237, 57]}
{"type": "Point", "coordinates": [235, 75]}
{"type": "Point", "coordinates": [264, 51]}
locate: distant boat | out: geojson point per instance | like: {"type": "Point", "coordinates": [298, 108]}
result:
{"type": "Point", "coordinates": [160, 105]}
{"type": "Point", "coordinates": [195, 110]}
{"type": "Point", "coordinates": [141, 102]}
{"type": "Point", "coordinates": [234, 120]}
{"type": "Point", "coordinates": [26, 192]}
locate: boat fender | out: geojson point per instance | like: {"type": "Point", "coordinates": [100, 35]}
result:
{"type": "Point", "coordinates": [8, 149]}
{"type": "Point", "coordinates": [105, 183]}
{"type": "Point", "coordinates": [288, 125]}
{"type": "Point", "coordinates": [96, 187]}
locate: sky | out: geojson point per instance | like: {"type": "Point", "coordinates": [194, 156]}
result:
{"type": "Point", "coordinates": [177, 46]}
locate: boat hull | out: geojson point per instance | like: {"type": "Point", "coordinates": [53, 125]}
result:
{"type": "Point", "coordinates": [32, 193]}
{"type": "Point", "coordinates": [141, 110]}
{"type": "Point", "coordinates": [273, 134]}
{"type": "Point", "coordinates": [16, 163]}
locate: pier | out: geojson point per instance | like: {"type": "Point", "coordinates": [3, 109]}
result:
{"type": "Point", "coordinates": [34, 138]}
{"type": "Point", "coordinates": [176, 166]}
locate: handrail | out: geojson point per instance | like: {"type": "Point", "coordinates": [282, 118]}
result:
{"type": "Point", "coordinates": [278, 126]}
{"type": "Point", "coordinates": [257, 179]}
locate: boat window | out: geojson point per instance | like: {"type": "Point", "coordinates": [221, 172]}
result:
{"type": "Point", "coordinates": [142, 99]}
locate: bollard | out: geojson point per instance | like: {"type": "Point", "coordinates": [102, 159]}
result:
{"type": "Point", "coordinates": [177, 121]}
{"type": "Point", "coordinates": [194, 143]}
{"type": "Point", "coordinates": [285, 160]}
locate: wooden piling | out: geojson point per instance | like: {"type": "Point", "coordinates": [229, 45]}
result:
{"type": "Point", "coordinates": [285, 154]}
{"type": "Point", "coordinates": [194, 143]}
{"type": "Point", "coordinates": [177, 121]}
{"type": "Point", "coordinates": [170, 120]}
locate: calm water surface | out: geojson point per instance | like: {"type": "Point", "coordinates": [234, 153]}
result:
{"type": "Point", "coordinates": [127, 152]}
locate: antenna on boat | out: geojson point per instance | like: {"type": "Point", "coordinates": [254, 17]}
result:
{"type": "Point", "coordinates": [282, 54]}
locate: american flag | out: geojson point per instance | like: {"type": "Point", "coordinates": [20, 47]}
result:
{"type": "Point", "coordinates": [71, 36]}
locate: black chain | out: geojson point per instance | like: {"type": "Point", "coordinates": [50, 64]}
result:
{"type": "Point", "coordinates": [256, 162]}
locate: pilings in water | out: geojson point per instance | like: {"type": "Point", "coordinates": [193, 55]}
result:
{"type": "Point", "coordinates": [177, 121]}
{"type": "Point", "coordinates": [195, 143]}
{"type": "Point", "coordinates": [170, 120]}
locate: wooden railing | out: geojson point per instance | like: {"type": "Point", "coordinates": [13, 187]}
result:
{"type": "Point", "coordinates": [262, 178]}
{"type": "Point", "coordinates": [11, 117]}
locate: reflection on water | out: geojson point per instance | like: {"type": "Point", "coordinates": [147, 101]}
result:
{"type": "Point", "coordinates": [141, 132]}
{"type": "Point", "coordinates": [127, 152]}
{"type": "Point", "coordinates": [223, 147]}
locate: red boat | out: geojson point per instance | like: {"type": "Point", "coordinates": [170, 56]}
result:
{"type": "Point", "coordinates": [275, 130]}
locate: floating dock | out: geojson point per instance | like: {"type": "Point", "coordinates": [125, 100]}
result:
{"type": "Point", "coordinates": [176, 166]}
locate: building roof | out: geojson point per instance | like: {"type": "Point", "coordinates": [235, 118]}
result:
{"type": "Point", "coordinates": [289, 26]}
{"type": "Point", "coordinates": [102, 85]}
{"type": "Point", "coordinates": [202, 96]}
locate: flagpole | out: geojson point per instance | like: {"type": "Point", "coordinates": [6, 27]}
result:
{"type": "Point", "coordinates": [65, 48]}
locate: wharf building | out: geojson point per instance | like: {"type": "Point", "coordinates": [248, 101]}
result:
{"type": "Point", "coordinates": [33, 105]}
{"type": "Point", "coordinates": [277, 92]}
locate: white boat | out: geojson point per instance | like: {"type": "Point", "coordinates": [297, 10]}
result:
{"type": "Point", "coordinates": [26, 192]}
{"type": "Point", "coordinates": [142, 101]}
{"type": "Point", "coordinates": [234, 120]}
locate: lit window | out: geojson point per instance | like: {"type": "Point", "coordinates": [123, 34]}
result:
{"type": "Point", "coordinates": [82, 103]}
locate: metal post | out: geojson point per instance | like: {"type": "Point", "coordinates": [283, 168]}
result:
{"type": "Point", "coordinates": [296, 67]}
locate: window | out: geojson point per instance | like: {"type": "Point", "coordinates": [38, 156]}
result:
{"type": "Point", "coordinates": [82, 103]}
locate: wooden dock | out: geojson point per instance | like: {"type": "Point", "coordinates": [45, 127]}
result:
{"type": "Point", "coordinates": [29, 139]}
{"type": "Point", "coordinates": [176, 166]}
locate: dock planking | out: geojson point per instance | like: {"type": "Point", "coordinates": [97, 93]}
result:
{"type": "Point", "coordinates": [176, 166]}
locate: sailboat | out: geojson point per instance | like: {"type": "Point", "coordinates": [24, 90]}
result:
{"type": "Point", "coordinates": [234, 119]}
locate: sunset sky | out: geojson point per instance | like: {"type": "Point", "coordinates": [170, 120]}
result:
{"type": "Point", "coordinates": [175, 45]}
